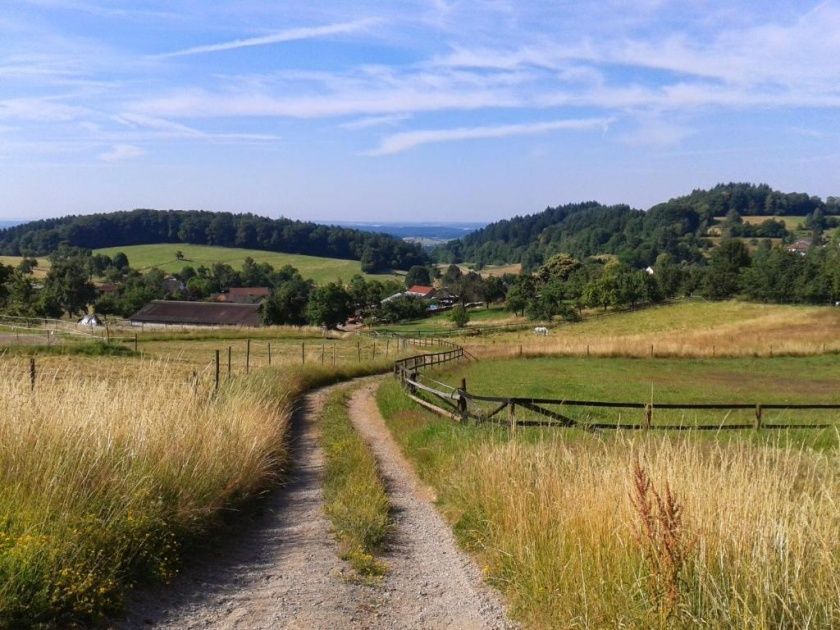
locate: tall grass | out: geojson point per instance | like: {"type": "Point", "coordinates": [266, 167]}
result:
{"type": "Point", "coordinates": [740, 536]}
{"type": "Point", "coordinates": [103, 478]}
{"type": "Point", "coordinates": [356, 499]}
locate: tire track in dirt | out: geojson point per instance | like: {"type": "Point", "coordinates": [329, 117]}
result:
{"type": "Point", "coordinates": [282, 570]}
{"type": "Point", "coordinates": [430, 583]}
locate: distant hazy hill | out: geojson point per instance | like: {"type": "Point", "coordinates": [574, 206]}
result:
{"type": "Point", "coordinates": [424, 233]}
{"type": "Point", "coordinates": [8, 224]}
{"type": "Point", "coordinates": [139, 227]}
{"type": "Point", "coordinates": [674, 227]}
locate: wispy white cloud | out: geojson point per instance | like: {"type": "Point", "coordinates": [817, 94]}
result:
{"type": "Point", "coordinates": [399, 142]}
{"type": "Point", "coordinates": [369, 122]}
{"type": "Point", "coordinates": [39, 110]}
{"type": "Point", "coordinates": [290, 35]}
{"type": "Point", "coordinates": [120, 152]}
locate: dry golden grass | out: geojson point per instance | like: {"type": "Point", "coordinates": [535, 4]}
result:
{"type": "Point", "coordinates": [746, 534]}
{"type": "Point", "coordinates": [688, 329]}
{"type": "Point", "coordinates": [100, 478]}
{"type": "Point", "coordinates": [559, 531]}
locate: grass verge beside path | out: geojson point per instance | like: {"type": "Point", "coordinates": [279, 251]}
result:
{"type": "Point", "coordinates": [355, 495]}
{"type": "Point", "coordinates": [583, 530]}
{"type": "Point", "coordinates": [103, 481]}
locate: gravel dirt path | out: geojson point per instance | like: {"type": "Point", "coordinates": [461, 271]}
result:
{"type": "Point", "coordinates": [430, 582]}
{"type": "Point", "coordinates": [282, 570]}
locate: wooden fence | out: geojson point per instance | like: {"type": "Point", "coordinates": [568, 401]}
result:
{"type": "Point", "coordinates": [461, 405]}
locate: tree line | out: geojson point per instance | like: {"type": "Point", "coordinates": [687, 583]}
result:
{"type": "Point", "coordinates": [376, 252]}
{"type": "Point", "coordinates": [678, 227]}
{"type": "Point", "coordinates": [564, 285]}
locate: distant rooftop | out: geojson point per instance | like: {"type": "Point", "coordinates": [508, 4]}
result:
{"type": "Point", "coordinates": [198, 313]}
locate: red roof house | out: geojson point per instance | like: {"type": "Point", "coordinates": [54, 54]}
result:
{"type": "Point", "coordinates": [418, 290]}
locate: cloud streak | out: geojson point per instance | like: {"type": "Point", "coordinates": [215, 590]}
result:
{"type": "Point", "coordinates": [290, 35]}
{"type": "Point", "coordinates": [400, 142]}
{"type": "Point", "coordinates": [121, 152]}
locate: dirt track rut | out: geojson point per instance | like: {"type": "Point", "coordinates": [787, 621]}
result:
{"type": "Point", "coordinates": [282, 570]}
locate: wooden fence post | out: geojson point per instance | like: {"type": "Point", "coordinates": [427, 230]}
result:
{"type": "Point", "coordinates": [651, 351]}
{"type": "Point", "coordinates": [648, 415]}
{"type": "Point", "coordinates": [373, 351]}
{"type": "Point", "coordinates": [333, 354]}
{"type": "Point", "coordinates": [269, 354]}
{"type": "Point", "coordinates": [757, 424]}
{"type": "Point", "coordinates": [32, 373]}
{"type": "Point", "coordinates": [230, 353]}
{"type": "Point", "coordinates": [587, 351]}
{"type": "Point", "coordinates": [247, 356]}
{"type": "Point", "coordinates": [387, 344]}
{"type": "Point", "coordinates": [302, 353]}
{"type": "Point", "coordinates": [322, 353]}
{"type": "Point", "coordinates": [217, 371]}
{"type": "Point", "coordinates": [512, 415]}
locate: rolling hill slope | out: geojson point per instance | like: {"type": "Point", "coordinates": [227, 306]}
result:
{"type": "Point", "coordinates": [162, 256]}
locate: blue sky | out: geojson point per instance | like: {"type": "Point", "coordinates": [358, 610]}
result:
{"type": "Point", "coordinates": [413, 110]}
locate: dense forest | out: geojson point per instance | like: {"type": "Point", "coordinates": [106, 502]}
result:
{"type": "Point", "coordinates": [677, 227]}
{"type": "Point", "coordinates": [376, 252]}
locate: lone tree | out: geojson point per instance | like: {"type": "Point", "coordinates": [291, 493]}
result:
{"type": "Point", "coordinates": [459, 315]}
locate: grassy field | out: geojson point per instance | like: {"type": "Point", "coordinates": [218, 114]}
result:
{"type": "Point", "coordinates": [635, 529]}
{"type": "Point", "coordinates": [488, 270]}
{"type": "Point", "coordinates": [162, 256]}
{"type": "Point", "coordinates": [688, 328]}
{"type": "Point", "coordinates": [780, 380]}
{"type": "Point", "coordinates": [791, 223]}
{"type": "Point", "coordinates": [496, 315]}
{"type": "Point", "coordinates": [39, 272]}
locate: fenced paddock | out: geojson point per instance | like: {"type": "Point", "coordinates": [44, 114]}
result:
{"type": "Point", "coordinates": [501, 407]}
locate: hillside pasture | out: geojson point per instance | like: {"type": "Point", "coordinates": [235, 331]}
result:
{"type": "Point", "coordinates": [687, 328]}
{"type": "Point", "coordinates": [39, 272]}
{"type": "Point", "coordinates": [162, 256]}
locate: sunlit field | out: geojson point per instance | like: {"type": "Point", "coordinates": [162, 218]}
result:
{"type": "Point", "coordinates": [690, 328]}
{"type": "Point", "coordinates": [162, 256]}
{"type": "Point", "coordinates": [636, 529]}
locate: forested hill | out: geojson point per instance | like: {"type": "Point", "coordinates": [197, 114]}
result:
{"type": "Point", "coordinates": [676, 227]}
{"type": "Point", "coordinates": [137, 227]}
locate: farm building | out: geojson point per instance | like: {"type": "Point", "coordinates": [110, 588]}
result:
{"type": "Point", "coordinates": [175, 313]}
{"type": "Point", "coordinates": [418, 290]}
{"type": "Point", "coordinates": [244, 295]}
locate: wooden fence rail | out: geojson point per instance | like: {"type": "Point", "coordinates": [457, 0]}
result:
{"type": "Point", "coordinates": [461, 405]}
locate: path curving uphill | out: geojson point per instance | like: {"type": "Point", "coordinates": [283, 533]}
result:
{"type": "Point", "coordinates": [282, 569]}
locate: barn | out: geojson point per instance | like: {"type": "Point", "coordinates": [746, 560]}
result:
{"type": "Point", "coordinates": [176, 313]}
